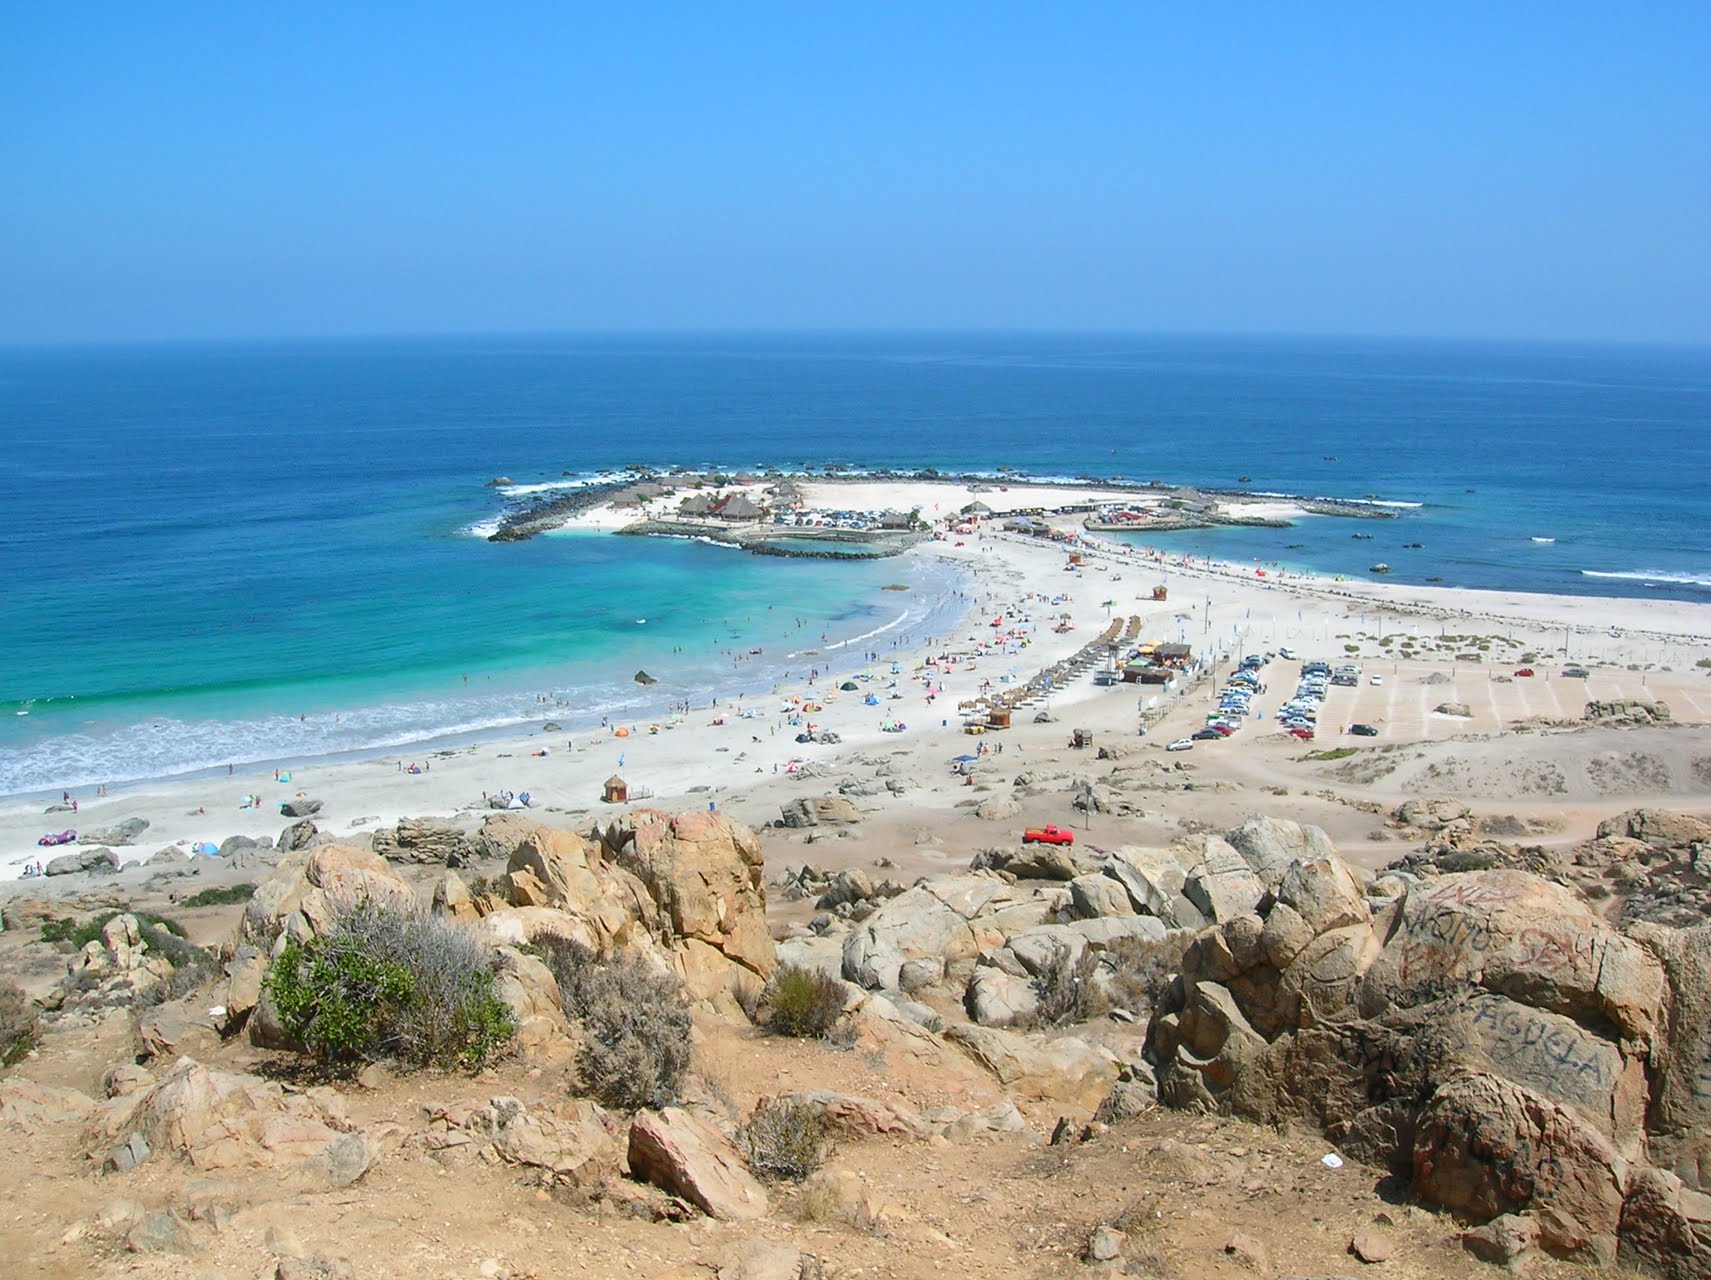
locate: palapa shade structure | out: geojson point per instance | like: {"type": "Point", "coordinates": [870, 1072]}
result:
{"type": "Point", "coordinates": [617, 790]}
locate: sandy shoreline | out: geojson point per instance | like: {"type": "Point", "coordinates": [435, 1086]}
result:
{"type": "Point", "coordinates": [744, 763]}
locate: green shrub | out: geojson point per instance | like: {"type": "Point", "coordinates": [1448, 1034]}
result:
{"type": "Point", "coordinates": [20, 1030]}
{"type": "Point", "coordinates": [80, 933]}
{"type": "Point", "coordinates": [220, 897]}
{"type": "Point", "coordinates": [636, 1049]}
{"type": "Point", "coordinates": [1066, 988]}
{"type": "Point", "coordinates": [785, 1139]}
{"type": "Point", "coordinates": [803, 1002]}
{"type": "Point", "coordinates": [381, 983]}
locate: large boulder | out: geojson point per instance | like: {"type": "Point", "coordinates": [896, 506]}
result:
{"type": "Point", "coordinates": [1223, 885]}
{"type": "Point", "coordinates": [702, 874]}
{"type": "Point", "coordinates": [1487, 1036]}
{"type": "Point", "coordinates": [432, 841]}
{"type": "Point", "coordinates": [1656, 827]}
{"type": "Point", "coordinates": [1028, 862]}
{"type": "Point", "coordinates": [688, 1157]}
{"type": "Point", "coordinates": [220, 1120]}
{"type": "Point", "coordinates": [120, 833]}
{"type": "Point", "coordinates": [1269, 845]}
{"type": "Point", "coordinates": [100, 862]}
{"type": "Point", "coordinates": [819, 811]}
{"type": "Point", "coordinates": [309, 888]}
{"type": "Point", "coordinates": [1065, 1069]}
{"type": "Point", "coordinates": [951, 918]}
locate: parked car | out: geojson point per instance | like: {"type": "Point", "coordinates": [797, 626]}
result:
{"type": "Point", "coordinates": [1181, 744]}
{"type": "Point", "coordinates": [1206, 735]}
{"type": "Point", "coordinates": [1376, 680]}
{"type": "Point", "coordinates": [1524, 671]}
{"type": "Point", "coordinates": [1575, 673]}
{"type": "Point", "coordinates": [1306, 735]}
{"type": "Point", "coordinates": [1363, 731]}
{"type": "Point", "coordinates": [1051, 833]}
{"type": "Point", "coordinates": [1288, 655]}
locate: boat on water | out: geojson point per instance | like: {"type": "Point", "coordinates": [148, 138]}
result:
{"type": "Point", "coordinates": [1380, 567]}
{"type": "Point", "coordinates": [1542, 541]}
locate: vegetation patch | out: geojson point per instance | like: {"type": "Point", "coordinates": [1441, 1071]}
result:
{"type": "Point", "coordinates": [384, 984]}
{"type": "Point", "coordinates": [803, 1002]}
{"type": "Point", "coordinates": [227, 896]}
{"type": "Point", "coordinates": [636, 1047]}
{"type": "Point", "coordinates": [1067, 988]}
{"type": "Point", "coordinates": [787, 1140]}
{"type": "Point", "coordinates": [80, 933]}
{"type": "Point", "coordinates": [1332, 753]}
{"type": "Point", "coordinates": [20, 1029]}
{"type": "Point", "coordinates": [1141, 970]}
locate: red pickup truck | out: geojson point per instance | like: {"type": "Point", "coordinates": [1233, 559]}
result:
{"type": "Point", "coordinates": [1048, 834]}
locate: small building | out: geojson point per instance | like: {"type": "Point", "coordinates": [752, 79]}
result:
{"type": "Point", "coordinates": [998, 718]}
{"type": "Point", "coordinates": [739, 507]}
{"type": "Point", "coordinates": [617, 790]}
{"type": "Point", "coordinates": [1173, 655]}
{"type": "Point", "coordinates": [696, 504]}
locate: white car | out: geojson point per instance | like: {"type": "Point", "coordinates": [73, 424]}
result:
{"type": "Point", "coordinates": [1376, 680]}
{"type": "Point", "coordinates": [1288, 655]}
{"type": "Point", "coordinates": [1181, 744]}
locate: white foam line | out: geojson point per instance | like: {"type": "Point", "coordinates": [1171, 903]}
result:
{"type": "Point", "coordinates": [896, 622]}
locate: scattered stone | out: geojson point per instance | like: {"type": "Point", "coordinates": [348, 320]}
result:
{"type": "Point", "coordinates": [1372, 1245]}
{"type": "Point", "coordinates": [161, 1231]}
{"type": "Point", "coordinates": [1104, 1245]}
{"type": "Point", "coordinates": [1247, 1251]}
{"type": "Point", "coordinates": [689, 1157]}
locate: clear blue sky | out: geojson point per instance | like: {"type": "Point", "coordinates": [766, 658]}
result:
{"type": "Point", "coordinates": [224, 170]}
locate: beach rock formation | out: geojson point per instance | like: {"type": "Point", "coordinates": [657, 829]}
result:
{"type": "Point", "coordinates": [432, 841]}
{"type": "Point", "coordinates": [99, 862]}
{"type": "Point", "coordinates": [120, 833]}
{"type": "Point", "coordinates": [818, 811]}
{"type": "Point", "coordinates": [1485, 1035]}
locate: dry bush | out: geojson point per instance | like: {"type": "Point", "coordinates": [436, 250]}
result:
{"type": "Point", "coordinates": [1068, 989]}
{"type": "Point", "coordinates": [785, 1139]}
{"type": "Point", "coordinates": [803, 1002]}
{"type": "Point", "coordinates": [1140, 970]}
{"type": "Point", "coordinates": [637, 1048]}
{"type": "Point", "coordinates": [20, 1030]}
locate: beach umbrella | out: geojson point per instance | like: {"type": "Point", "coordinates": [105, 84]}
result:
{"type": "Point", "coordinates": [963, 759]}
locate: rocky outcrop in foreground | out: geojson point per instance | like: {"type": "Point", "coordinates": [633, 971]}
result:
{"type": "Point", "coordinates": [1485, 1034]}
{"type": "Point", "coordinates": [684, 891]}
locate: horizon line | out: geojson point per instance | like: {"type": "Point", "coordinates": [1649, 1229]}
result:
{"type": "Point", "coordinates": [865, 331]}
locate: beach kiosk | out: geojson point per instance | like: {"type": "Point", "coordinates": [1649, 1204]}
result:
{"type": "Point", "coordinates": [998, 718]}
{"type": "Point", "coordinates": [617, 790]}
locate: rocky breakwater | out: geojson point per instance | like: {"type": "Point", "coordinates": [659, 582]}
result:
{"type": "Point", "coordinates": [1485, 1035]}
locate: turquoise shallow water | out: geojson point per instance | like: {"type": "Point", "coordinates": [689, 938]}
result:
{"type": "Point", "coordinates": [201, 544]}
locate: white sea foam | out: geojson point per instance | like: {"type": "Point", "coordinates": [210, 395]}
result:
{"type": "Point", "coordinates": [1653, 575]}
{"type": "Point", "coordinates": [896, 622]}
{"type": "Point", "coordinates": [553, 486]}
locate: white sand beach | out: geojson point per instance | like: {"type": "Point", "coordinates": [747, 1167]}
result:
{"type": "Point", "coordinates": [745, 757]}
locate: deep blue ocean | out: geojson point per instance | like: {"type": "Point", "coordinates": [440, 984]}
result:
{"type": "Point", "coordinates": [249, 553]}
